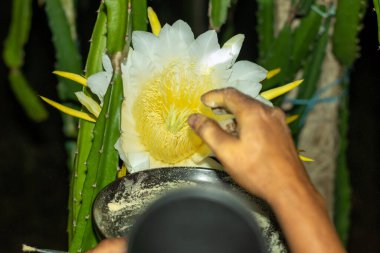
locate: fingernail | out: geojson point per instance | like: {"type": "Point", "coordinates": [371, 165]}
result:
{"type": "Point", "coordinates": [208, 102]}
{"type": "Point", "coordinates": [192, 120]}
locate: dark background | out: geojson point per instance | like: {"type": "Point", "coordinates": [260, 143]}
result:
{"type": "Point", "coordinates": [33, 171]}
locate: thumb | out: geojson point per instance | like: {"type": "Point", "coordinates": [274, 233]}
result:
{"type": "Point", "coordinates": [212, 134]}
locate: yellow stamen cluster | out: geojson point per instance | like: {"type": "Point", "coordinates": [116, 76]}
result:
{"type": "Point", "coordinates": [162, 108]}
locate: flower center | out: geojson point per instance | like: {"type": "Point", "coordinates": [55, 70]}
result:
{"type": "Point", "coordinates": [162, 108]}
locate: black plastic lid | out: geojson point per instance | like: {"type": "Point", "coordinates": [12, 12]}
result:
{"type": "Point", "coordinates": [197, 220]}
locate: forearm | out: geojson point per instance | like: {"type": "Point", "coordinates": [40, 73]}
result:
{"type": "Point", "coordinates": [304, 220]}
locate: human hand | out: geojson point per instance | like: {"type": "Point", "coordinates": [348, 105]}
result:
{"type": "Point", "coordinates": [116, 245]}
{"type": "Point", "coordinates": [263, 158]}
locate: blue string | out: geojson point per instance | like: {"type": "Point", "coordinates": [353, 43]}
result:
{"type": "Point", "coordinates": [324, 14]}
{"type": "Point", "coordinates": [316, 98]}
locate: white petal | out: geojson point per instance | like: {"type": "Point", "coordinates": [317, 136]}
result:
{"type": "Point", "coordinates": [139, 69]}
{"type": "Point", "coordinates": [220, 58]}
{"type": "Point", "coordinates": [164, 30]}
{"type": "Point", "coordinates": [107, 64]}
{"type": "Point", "coordinates": [247, 87]}
{"type": "Point", "coordinates": [98, 84]}
{"type": "Point", "coordinates": [220, 77]}
{"type": "Point", "coordinates": [91, 105]}
{"type": "Point", "coordinates": [173, 45]}
{"type": "Point", "coordinates": [204, 45]}
{"type": "Point", "coordinates": [183, 31]}
{"type": "Point", "coordinates": [137, 161]}
{"type": "Point", "coordinates": [144, 43]}
{"type": "Point", "coordinates": [263, 100]}
{"type": "Point", "coordinates": [120, 150]}
{"type": "Point", "coordinates": [226, 56]}
{"type": "Point", "coordinates": [249, 71]}
{"type": "Point", "coordinates": [131, 142]}
{"type": "Point", "coordinates": [234, 45]}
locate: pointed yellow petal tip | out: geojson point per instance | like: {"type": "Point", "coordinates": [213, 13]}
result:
{"type": "Point", "coordinates": [68, 110]}
{"type": "Point", "coordinates": [154, 22]}
{"type": "Point", "coordinates": [71, 76]}
{"type": "Point", "coordinates": [291, 119]}
{"type": "Point", "coordinates": [306, 159]}
{"type": "Point", "coordinates": [273, 72]}
{"type": "Point", "coordinates": [273, 93]}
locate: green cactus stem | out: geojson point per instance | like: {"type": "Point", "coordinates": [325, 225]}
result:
{"type": "Point", "coordinates": [26, 96]}
{"type": "Point", "coordinates": [349, 14]}
{"type": "Point", "coordinates": [278, 56]}
{"type": "Point", "coordinates": [102, 162]}
{"type": "Point", "coordinates": [342, 195]}
{"type": "Point", "coordinates": [376, 6]}
{"type": "Point", "coordinates": [139, 15]}
{"type": "Point", "coordinates": [84, 140]}
{"type": "Point", "coordinates": [13, 55]}
{"type": "Point", "coordinates": [305, 35]}
{"type": "Point", "coordinates": [265, 26]}
{"type": "Point", "coordinates": [67, 55]}
{"type": "Point", "coordinates": [218, 12]}
{"type": "Point", "coordinates": [311, 75]}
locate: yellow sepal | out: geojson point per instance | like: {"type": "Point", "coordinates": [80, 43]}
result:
{"type": "Point", "coordinates": [122, 172]}
{"type": "Point", "coordinates": [273, 72]}
{"type": "Point", "coordinates": [291, 119]}
{"type": "Point", "coordinates": [306, 159]}
{"type": "Point", "coordinates": [273, 93]}
{"type": "Point", "coordinates": [154, 22]}
{"type": "Point", "coordinates": [68, 110]}
{"type": "Point", "coordinates": [71, 76]}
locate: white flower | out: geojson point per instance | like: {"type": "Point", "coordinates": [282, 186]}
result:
{"type": "Point", "coordinates": [164, 78]}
